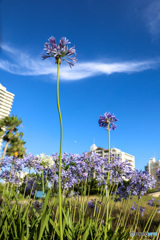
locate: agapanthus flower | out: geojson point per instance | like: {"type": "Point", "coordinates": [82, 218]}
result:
{"type": "Point", "coordinates": [37, 205]}
{"type": "Point", "coordinates": [141, 209]}
{"type": "Point", "coordinates": [61, 51]}
{"type": "Point", "coordinates": [46, 161]}
{"type": "Point", "coordinates": [134, 207]}
{"type": "Point", "coordinates": [31, 185]}
{"type": "Point", "coordinates": [90, 204]}
{"type": "Point", "coordinates": [158, 173]}
{"type": "Point", "coordinates": [140, 182]}
{"type": "Point", "coordinates": [106, 120]}
{"type": "Point", "coordinates": [151, 202]}
{"type": "Point", "coordinates": [158, 211]}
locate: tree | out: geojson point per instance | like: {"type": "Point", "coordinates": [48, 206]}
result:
{"type": "Point", "coordinates": [10, 125]}
{"type": "Point", "coordinates": [16, 147]}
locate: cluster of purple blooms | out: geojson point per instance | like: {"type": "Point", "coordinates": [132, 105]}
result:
{"type": "Point", "coordinates": [77, 168]}
{"type": "Point", "coordinates": [30, 185]}
{"type": "Point", "coordinates": [141, 209]}
{"type": "Point", "coordinates": [75, 195]}
{"type": "Point", "coordinates": [106, 120]}
{"type": "Point", "coordinates": [152, 202]}
{"type": "Point", "coordinates": [92, 203]}
{"type": "Point", "coordinates": [61, 51]}
{"type": "Point", "coordinates": [158, 173]}
{"type": "Point", "coordinates": [37, 205]}
{"type": "Point", "coordinates": [138, 184]}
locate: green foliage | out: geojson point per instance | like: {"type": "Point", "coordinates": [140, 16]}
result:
{"type": "Point", "coordinates": [9, 131]}
{"type": "Point", "coordinates": [1, 187]}
{"type": "Point", "coordinates": [38, 178]}
{"type": "Point", "coordinates": [28, 223]}
{"type": "Point", "coordinates": [91, 188]}
{"type": "Point", "coordinates": [151, 190]}
{"type": "Point", "coordinates": [16, 146]}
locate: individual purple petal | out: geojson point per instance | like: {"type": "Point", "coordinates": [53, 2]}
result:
{"type": "Point", "coordinates": [63, 42]}
{"type": "Point", "coordinates": [52, 41]}
{"type": "Point", "coordinates": [44, 56]}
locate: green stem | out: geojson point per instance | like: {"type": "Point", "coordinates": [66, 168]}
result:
{"type": "Point", "coordinates": [43, 182]}
{"type": "Point", "coordinates": [107, 214]}
{"type": "Point", "coordinates": [137, 210]}
{"type": "Point", "coordinates": [61, 135]}
{"type": "Point", "coordinates": [26, 183]}
{"type": "Point", "coordinates": [10, 174]}
{"type": "Point", "coordinates": [153, 213]}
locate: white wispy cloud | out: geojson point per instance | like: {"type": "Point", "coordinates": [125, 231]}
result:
{"type": "Point", "coordinates": [24, 64]}
{"type": "Point", "coordinates": [152, 17]}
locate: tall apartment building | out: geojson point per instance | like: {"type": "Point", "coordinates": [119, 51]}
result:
{"type": "Point", "coordinates": [6, 100]}
{"type": "Point", "coordinates": [116, 153]}
{"type": "Point", "coordinates": [152, 168]}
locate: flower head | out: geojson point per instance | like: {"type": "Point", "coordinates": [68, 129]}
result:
{"type": "Point", "coordinates": [106, 120]}
{"type": "Point", "coordinates": [151, 202]}
{"type": "Point", "coordinates": [61, 51]}
{"type": "Point", "coordinates": [141, 209]}
{"type": "Point", "coordinates": [158, 211]}
{"type": "Point", "coordinates": [45, 161]}
{"type": "Point", "coordinates": [158, 173]}
{"type": "Point", "coordinates": [37, 205]}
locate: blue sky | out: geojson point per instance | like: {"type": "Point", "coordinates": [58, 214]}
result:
{"type": "Point", "coordinates": [118, 71]}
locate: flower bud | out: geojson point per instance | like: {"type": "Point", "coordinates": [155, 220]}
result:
{"type": "Point", "coordinates": [59, 60]}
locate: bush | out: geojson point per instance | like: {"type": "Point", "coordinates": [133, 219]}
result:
{"type": "Point", "coordinates": [151, 190]}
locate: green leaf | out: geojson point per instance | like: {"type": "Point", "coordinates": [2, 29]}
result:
{"type": "Point", "coordinates": [85, 235]}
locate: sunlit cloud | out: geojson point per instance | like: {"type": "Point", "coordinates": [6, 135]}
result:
{"type": "Point", "coordinates": [24, 64]}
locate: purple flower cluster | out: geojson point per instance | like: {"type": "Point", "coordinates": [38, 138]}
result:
{"type": "Point", "coordinates": [92, 203]}
{"type": "Point", "coordinates": [106, 120]}
{"type": "Point", "coordinates": [74, 194]}
{"type": "Point", "coordinates": [158, 173]}
{"type": "Point", "coordinates": [76, 168]}
{"type": "Point", "coordinates": [138, 182]}
{"type": "Point", "coordinates": [37, 205]}
{"type": "Point", "coordinates": [141, 181]}
{"type": "Point", "coordinates": [151, 202]}
{"type": "Point", "coordinates": [141, 209]}
{"type": "Point", "coordinates": [119, 170]}
{"type": "Point", "coordinates": [31, 186]}
{"type": "Point", "coordinates": [61, 51]}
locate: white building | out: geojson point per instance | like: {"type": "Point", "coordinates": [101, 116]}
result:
{"type": "Point", "coordinates": [152, 168]}
{"type": "Point", "coordinates": [116, 153]}
{"type": "Point", "coordinates": [6, 100]}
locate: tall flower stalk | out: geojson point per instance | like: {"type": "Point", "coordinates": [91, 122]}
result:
{"type": "Point", "coordinates": [60, 52]}
{"type": "Point", "coordinates": [61, 137]}
{"type": "Point", "coordinates": [107, 122]}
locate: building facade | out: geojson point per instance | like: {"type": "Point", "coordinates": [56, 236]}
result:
{"type": "Point", "coordinates": [6, 100]}
{"type": "Point", "coordinates": [152, 168]}
{"type": "Point", "coordinates": [116, 153]}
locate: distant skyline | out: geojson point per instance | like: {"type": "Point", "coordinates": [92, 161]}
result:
{"type": "Point", "coordinates": [118, 71]}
